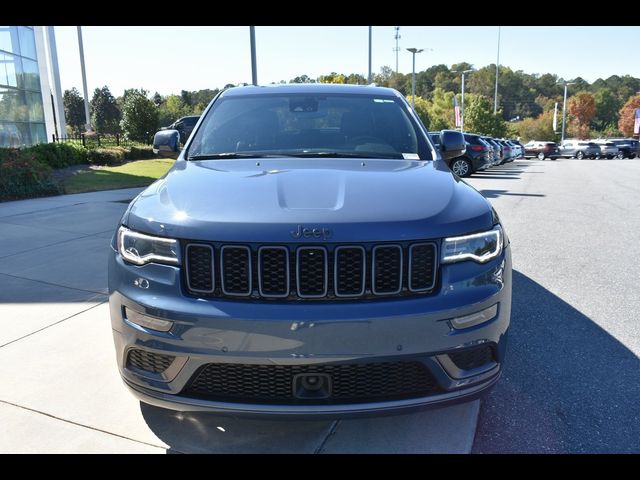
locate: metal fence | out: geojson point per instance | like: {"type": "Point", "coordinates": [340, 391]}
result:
{"type": "Point", "coordinates": [95, 140]}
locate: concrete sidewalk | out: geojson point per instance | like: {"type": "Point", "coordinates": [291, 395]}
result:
{"type": "Point", "coordinates": [59, 386]}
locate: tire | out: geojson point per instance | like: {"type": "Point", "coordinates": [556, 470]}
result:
{"type": "Point", "coordinates": [620, 155]}
{"type": "Point", "coordinates": [540, 156]}
{"type": "Point", "coordinates": [579, 155]}
{"type": "Point", "coordinates": [461, 167]}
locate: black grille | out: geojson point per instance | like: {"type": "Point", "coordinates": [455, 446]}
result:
{"type": "Point", "coordinates": [236, 270]}
{"type": "Point", "coordinates": [312, 272]}
{"type": "Point", "coordinates": [274, 271]}
{"type": "Point", "coordinates": [294, 272]}
{"type": "Point", "coordinates": [473, 357]}
{"type": "Point", "coordinates": [387, 269]}
{"type": "Point", "coordinates": [148, 361]}
{"type": "Point", "coordinates": [421, 268]}
{"type": "Point", "coordinates": [351, 382]}
{"type": "Point", "coordinates": [200, 268]}
{"type": "Point", "coordinates": [350, 264]}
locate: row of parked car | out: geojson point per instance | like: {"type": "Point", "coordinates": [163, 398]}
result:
{"type": "Point", "coordinates": [482, 152]}
{"type": "Point", "coordinates": [574, 148]}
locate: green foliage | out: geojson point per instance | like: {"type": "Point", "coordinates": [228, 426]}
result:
{"type": "Point", "coordinates": [607, 106]}
{"type": "Point", "coordinates": [333, 77]}
{"type": "Point", "coordinates": [422, 109]}
{"type": "Point", "coordinates": [74, 110]}
{"type": "Point", "coordinates": [57, 155]}
{"type": "Point", "coordinates": [540, 128]}
{"type": "Point", "coordinates": [139, 115]}
{"type": "Point", "coordinates": [440, 110]}
{"type": "Point", "coordinates": [23, 176]}
{"type": "Point", "coordinates": [171, 109]}
{"type": "Point", "coordinates": [105, 114]}
{"type": "Point", "coordinates": [107, 155]}
{"type": "Point", "coordinates": [479, 117]}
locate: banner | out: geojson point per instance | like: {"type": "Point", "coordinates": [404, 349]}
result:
{"type": "Point", "coordinates": [636, 124]}
{"type": "Point", "coordinates": [456, 110]}
{"type": "Point", "coordinates": [555, 118]}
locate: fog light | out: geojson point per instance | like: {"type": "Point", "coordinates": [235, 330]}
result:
{"type": "Point", "coordinates": [475, 318]}
{"type": "Point", "coordinates": [146, 321]}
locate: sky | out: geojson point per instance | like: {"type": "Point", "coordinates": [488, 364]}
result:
{"type": "Point", "coordinates": [171, 59]}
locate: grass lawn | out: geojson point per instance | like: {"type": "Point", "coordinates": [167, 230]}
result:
{"type": "Point", "coordinates": [133, 174]}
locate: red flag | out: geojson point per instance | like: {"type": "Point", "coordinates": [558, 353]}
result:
{"type": "Point", "coordinates": [456, 109]}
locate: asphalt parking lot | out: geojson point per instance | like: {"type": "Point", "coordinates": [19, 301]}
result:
{"type": "Point", "coordinates": [571, 380]}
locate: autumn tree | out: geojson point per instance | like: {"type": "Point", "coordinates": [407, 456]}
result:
{"type": "Point", "coordinates": [627, 115]}
{"type": "Point", "coordinates": [582, 108]}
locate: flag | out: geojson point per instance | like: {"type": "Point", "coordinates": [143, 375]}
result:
{"type": "Point", "coordinates": [456, 110]}
{"type": "Point", "coordinates": [636, 124]}
{"type": "Point", "coordinates": [555, 118]}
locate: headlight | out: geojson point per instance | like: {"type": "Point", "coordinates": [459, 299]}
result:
{"type": "Point", "coordinates": [140, 249]}
{"type": "Point", "coordinates": [479, 247]}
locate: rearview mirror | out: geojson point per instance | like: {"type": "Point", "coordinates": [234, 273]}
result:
{"type": "Point", "coordinates": [452, 144]}
{"type": "Point", "coordinates": [167, 143]}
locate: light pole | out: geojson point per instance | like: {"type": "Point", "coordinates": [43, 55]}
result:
{"type": "Point", "coordinates": [413, 76]}
{"type": "Point", "coordinates": [462, 97]}
{"type": "Point", "coordinates": [564, 109]}
{"type": "Point", "coordinates": [84, 82]}
{"type": "Point", "coordinates": [495, 95]}
{"type": "Point", "coordinates": [254, 68]}
{"type": "Point", "coordinates": [369, 78]}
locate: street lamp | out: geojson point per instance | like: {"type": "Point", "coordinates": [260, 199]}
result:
{"type": "Point", "coordinates": [413, 76]}
{"type": "Point", "coordinates": [564, 108]}
{"type": "Point", "coordinates": [462, 99]}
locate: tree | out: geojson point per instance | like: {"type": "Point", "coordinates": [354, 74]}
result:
{"type": "Point", "coordinates": [157, 99]}
{"type": "Point", "coordinates": [105, 114]}
{"type": "Point", "coordinates": [422, 109]}
{"type": "Point", "coordinates": [479, 117]}
{"type": "Point", "coordinates": [302, 79]}
{"type": "Point", "coordinates": [440, 110]}
{"type": "Point", "coordinates": [627, 115]}
{"type": "Point", "coordinates": [139, 115]}
{"type": "Point", "coordinates": [582, 108]}
{"type": "Point", "coordinates": [607, 107]}
{"type": "Point", "coordinates": [74, 110]}
{"type": "Point", "coordinates": [172, 109]}
{"type": "Point", "coordinates": [540, 128]}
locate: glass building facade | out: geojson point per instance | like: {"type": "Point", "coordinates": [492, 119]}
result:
{"type": "Point", "coordinates": [21, 112]}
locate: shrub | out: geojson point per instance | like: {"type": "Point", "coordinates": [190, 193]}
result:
{"type": "Point", "coordinates": [140, 153]}
{"type": "Point", "coordinates": [58, 155]}
{"type": "Point", "coordinates": [107, 155]}
{"type": "Point", "coordinates": [23, 176]}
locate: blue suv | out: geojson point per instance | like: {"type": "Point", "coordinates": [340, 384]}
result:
{"type": "Point", "coordinates": [309, 254]}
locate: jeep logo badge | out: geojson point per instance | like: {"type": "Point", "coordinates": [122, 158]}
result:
{"type": "Point", "coordinates": [316, 232]}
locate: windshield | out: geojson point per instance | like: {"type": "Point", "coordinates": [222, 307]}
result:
{"type": "Point", "coordinates": [308, 125]}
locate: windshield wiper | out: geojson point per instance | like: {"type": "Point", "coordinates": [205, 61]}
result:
{"type": "Point", "coordinates": [345, 155]}
{"type": "Point", "coordinates": [219, 156]}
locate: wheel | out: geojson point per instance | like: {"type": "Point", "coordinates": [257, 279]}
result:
{"type": "Point", "coordinates": [580, 155]}
{"type": "Point", "coordinates": [620, 155]}
{"type": "Point", "coordinates": [461, 167]}
{"type": "Point", "coordinates": [541, 156]}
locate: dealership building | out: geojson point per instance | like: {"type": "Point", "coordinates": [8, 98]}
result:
{"type": "Point", "coordinates": [31, 108]}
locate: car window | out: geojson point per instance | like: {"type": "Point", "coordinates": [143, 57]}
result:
{"type": "Point", "coordinates": [290, 124]}
{"type": "Point", "coordinates": [190, 122]}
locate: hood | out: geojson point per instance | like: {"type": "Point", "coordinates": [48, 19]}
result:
{"type": "Point", "coordinates": [270, 200]}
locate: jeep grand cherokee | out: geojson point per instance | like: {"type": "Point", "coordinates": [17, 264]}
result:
{"type": "Point", "coordinates": [309, 253]}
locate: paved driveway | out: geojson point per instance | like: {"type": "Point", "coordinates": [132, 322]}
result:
{"type": "Point", "coordinates": [59, 386]}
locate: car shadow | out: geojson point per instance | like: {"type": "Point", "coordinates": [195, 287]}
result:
{"type": "Point", "coordinates": [568, 385]}
{"type": "Point", "coordinates": [498, 193]}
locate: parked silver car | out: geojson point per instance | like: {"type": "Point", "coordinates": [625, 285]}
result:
{"type": "Point", "coordinates": [579, 149]}
{"type": "Point", "coordinates": [607, 149]}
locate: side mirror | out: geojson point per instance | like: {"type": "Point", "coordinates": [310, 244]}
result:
{"type": "Point", "coordinates": [452, 144]}
{"type": "Point", "coordinates": [167, 143]}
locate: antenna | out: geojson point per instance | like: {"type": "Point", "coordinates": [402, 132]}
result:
{"type": "Point", "coordinates": [397, 37]}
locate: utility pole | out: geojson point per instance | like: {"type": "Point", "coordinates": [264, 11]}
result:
{"type": "Point", "coordinates": [369, 77]}
{"type": "Point", "coordinates": [84, 82]}
{"type": "Point", "coordinates": [495, 96]}
{"type": "Point", "coordinates": [397, 49]}
{"type": "Point", "coordinates": [254, 68]}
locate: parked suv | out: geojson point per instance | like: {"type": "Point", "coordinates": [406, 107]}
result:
{"type": "Point", "coordinates": [541, 150]}
{"type": "Point", "coordinates": [579, 149]}
{"type": "Point", "coordinates": [476, 157]}
{"type": "Point", "coordinates": [309, 253]}
{"type": "Point", "coordinates": [627, 147]}
{"type": "Point", "coordinates": [184, 126]}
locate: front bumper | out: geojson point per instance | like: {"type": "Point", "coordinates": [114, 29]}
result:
{"type": "Point", "coordinates": [280, 333]}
